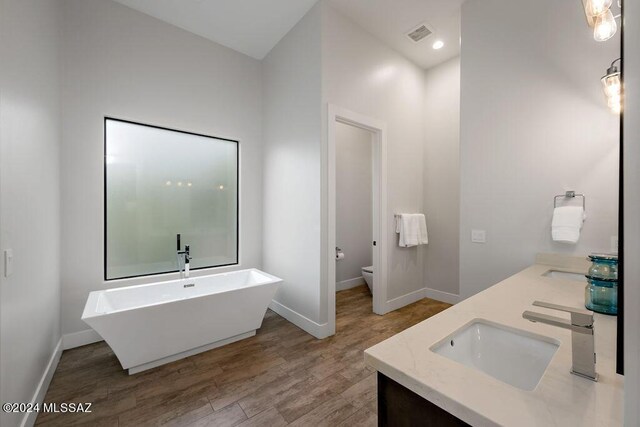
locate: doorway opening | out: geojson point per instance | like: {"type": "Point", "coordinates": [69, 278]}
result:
{"type": "Point", "coordinates": [357, 207]}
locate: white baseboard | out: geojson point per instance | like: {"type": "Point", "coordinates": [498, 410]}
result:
{"type": "Point", "coordinates": [318, 330]}
{"type": "Point", "coordinates": [41, 390]}
{"type": "Point", "coordinates": [350, 283]}
{"type": "Point", "coordinates": [442, 296]}
{"type": "Point", "coordinates": [78, 339]}
{"type": "Point", "coordinates": [404, 300]}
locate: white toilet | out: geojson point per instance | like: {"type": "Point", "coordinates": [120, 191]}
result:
{"type": "Point", "coordinates": [367, 273]}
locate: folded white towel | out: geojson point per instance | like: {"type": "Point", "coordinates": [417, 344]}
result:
{"type": "Point", "coordinates": [412, 229]}
{"type": "Point", "coordinates": [567, 223]}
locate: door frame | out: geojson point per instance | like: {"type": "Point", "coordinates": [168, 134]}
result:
{"type": "Point", "coordinates": [378, 128]}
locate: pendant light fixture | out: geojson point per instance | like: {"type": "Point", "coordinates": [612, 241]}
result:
{"type": "Point", "coordinates": [600, 18]}
{"type": "Point", "coordinates": [612, 85]}
{"type": "Point", "coordinates": [605, 26]}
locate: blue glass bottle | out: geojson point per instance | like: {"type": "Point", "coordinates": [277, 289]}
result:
{"type": "Point", "coordinates": [601, 293]}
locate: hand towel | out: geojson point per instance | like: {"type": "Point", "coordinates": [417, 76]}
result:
{"type": "Point", "coordinates": [412, 229]}
{"type": "Point", "coordinates": [567, 223]}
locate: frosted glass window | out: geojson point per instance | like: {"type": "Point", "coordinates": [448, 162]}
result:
{"type": "Point", "coordinates": [159, 183]}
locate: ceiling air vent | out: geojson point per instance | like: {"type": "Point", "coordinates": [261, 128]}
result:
{"type": "Point", "coordinates": [421, 32]}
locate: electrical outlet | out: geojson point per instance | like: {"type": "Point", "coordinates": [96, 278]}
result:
{"type": "Point", "coordinates": [478, 236]}
{"type": "Point", "coordinates": [614, 244]}
{"type": "Point", "coordinates": [8, 262]}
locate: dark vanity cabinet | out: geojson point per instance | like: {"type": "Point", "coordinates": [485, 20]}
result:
{"type": "Point", "coordinates": [400, 407]}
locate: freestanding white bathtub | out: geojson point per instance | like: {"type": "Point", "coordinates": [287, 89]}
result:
{"type": "Point", "coordinates": [150, 325]}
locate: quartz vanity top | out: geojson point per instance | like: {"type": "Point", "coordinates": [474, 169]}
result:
{"type": "Point", "coordinates": [560, 398]}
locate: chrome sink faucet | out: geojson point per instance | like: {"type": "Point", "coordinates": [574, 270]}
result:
{"type": "Point", "coordinates": [582, 335]}
{"type": "Point", "coordinates": [183, 259]}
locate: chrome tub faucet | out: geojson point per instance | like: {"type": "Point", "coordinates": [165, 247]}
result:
{"type": "Point", "coordinates": [183, 259]}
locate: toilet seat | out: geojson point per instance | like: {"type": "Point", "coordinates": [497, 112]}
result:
{"type": "Point", "coordinates": [368, 269]}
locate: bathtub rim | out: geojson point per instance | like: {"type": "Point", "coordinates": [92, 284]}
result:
{"type": "Point", "coordinates": [89, 311]}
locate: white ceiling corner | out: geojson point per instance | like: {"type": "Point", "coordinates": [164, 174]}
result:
{"type": "Point", "coordinates": [252, 27]}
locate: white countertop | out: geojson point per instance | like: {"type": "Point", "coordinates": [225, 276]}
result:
{"type": "Point", "coordinates": [560, 399]}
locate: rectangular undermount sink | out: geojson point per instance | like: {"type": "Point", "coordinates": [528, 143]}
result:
{"type": "Point", "coordinates": [513, 356]}
{"type": "Point", "coordinates": [555, 274]}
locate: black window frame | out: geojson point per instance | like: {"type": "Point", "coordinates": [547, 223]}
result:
{"type": "Point", "coordinates": [238, 191]}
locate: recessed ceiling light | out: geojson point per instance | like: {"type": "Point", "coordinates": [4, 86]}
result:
{"type": "Point", "coordinates": [438, 44]}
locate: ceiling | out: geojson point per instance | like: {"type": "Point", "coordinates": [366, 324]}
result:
{"type": "Point", "coordinates": [391, 20]}
{"type": "Point", "coordinates": [254, 27]}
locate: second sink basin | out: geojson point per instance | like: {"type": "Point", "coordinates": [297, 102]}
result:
{"type": "Point", "coordinates": [513, 356]}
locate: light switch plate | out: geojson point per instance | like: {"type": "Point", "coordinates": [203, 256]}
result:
{"type": "Point", "coordinates": [8, 262]}
{"type": "Point", "coordinates": [478, 236]}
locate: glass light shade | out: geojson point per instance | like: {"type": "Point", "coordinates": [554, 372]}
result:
{"type": "Point", "coordinates": [612, 85]}
{"type": "Point", "coordinates": [605, 27]}
{"type": "Point", "coordinates": [597, 7]}
{"type": "Point", "coordinates": [615, 104]}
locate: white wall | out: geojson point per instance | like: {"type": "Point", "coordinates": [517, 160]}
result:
{"type": "Point", "coordinates": [354, 200]}
{"type": "Point", "coordinates": [124, 64]}
{"type": "Point", "coordinates": [632, 213]}
{"type": "Point", "coordinates": [361, 74]}
{"type": "Point", "coordinates": [29, 196]}
{"type": "Point", "coordinates": [442, 177]}
{"type": "Point", "coordinates": [291, 75]}
{"type": "Point", "coordinates": [534, 124]}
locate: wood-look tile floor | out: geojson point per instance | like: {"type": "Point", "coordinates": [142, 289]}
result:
{"type": "Point", "coordinates": [282, 376]}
